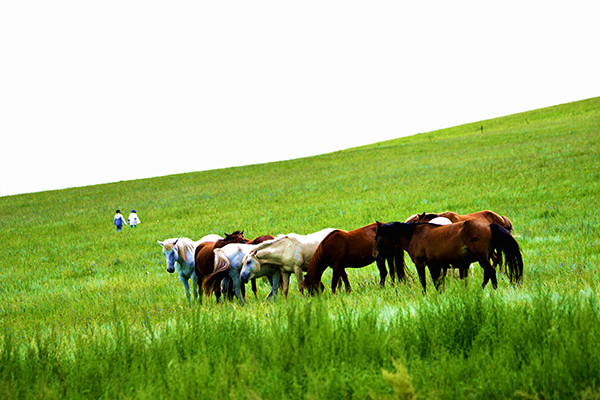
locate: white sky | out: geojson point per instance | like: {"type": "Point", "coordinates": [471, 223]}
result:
{"type": "Point", "coordinates": [101, 91]}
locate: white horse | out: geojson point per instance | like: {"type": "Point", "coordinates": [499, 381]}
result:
{"type": "Point", "coordinates": [291, 252]}
{"type": "Point", "coordinates": [228, 263]}
{"type": "Point", "coordinates": [180, 257]}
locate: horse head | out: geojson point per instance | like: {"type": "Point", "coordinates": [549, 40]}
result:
{"type": "Point", "coordinates": [250, 267]}
{"type": "Point", "coordinates": [171, 253]}
{"type": "Point", "coordinates": [390, 236]}
{"type": "Point", "coordinates": [235, 237]}
{"type": "Point", "coordinates": [311, 286]}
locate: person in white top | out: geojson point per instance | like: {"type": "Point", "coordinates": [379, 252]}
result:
{"type": "Point", "coordinates": [133, 219]}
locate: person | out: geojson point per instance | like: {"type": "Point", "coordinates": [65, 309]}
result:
{"type": "Point", "coordinates": [119, 220]}
{"type": "Point", "coordinates": [133, 219]}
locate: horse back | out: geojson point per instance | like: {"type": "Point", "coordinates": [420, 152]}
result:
{"type": "Point", "coordinates": [352, 248]}
{"type": "Point", "coordinates": [486, 215]}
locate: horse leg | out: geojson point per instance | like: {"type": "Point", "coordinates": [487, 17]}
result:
{"type": "Point", "coordinates": [463, 271]}
{"type": "Point", "coordinates": [392, 268]}
{"type": "Point", "coordinates": [236, 283]}
{"type": "Point", "coordinates": [344, 276]}
{"type": "Point", "coordinates": [275, 278]}
{"type": "Point", "coordinates": [434, 270]}
{"type": "Point", "coordinates": [335, 278]}
{"type": "Point", "coordinates": [285, 279]}
{"type": "Point", "coordinates": [186, 286]}
{"type": "Point", "coordinates": [199, 280]}
{"type": "Point", "coordinates": [299, 278]}
{"type": "Point", "coordinates": [422, 278]}
{"type": "Point", "coordinates": [253, 283]}
{"type": "Point", "coordinates": [382, 271]}
{"type": "Point", "coordinates": [195, 286]}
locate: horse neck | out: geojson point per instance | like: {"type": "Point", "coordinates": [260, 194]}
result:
{"type": "Point", "coordinates": [183, 246]}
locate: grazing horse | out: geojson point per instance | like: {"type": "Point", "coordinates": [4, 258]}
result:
{"type": "Point", "coordinates": [204, 257]}
{"type": "Point", "coordinates": [228, 263]}
{"type": "Point", "coordinates": [179, 254]}
{"type": "Point", "coordinates": [458, 244]}
{"type": "Point", "coordinates": [291, 252]}
{"type": "Point", "coordinates": [230, 290]}
{"type": "Point", "coordinates": [486, 216]}
{"type": "Point", "coordinates": [348, 249]}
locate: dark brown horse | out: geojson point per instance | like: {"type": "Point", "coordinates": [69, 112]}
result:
{"type": "Point", "coordinates": [459, 244]}
{"type": "Point", "coordinates": [205, 257]}
{"type": "Point", "coordinates": [347, 249]}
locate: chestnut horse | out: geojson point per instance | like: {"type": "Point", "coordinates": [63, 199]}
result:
{"type": "Point", "coordinates": [348, 249]}
{"type": "Point", "coordinates": [458, 244]}
{"type": "Point", "coordinates": [486, 216]}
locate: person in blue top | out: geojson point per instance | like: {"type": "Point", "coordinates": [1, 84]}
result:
{"type": "Point", "coordinates": [119, 220]}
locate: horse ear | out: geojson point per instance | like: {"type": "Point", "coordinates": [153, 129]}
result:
{"type": "Point", "coordinates": [175, 242]}
{"type": "Point", "coordinates": [161, 243]}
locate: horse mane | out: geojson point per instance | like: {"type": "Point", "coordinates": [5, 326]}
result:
{"type": "Point", "coordinates": [421, 217]}
{"type": "Point", "coordinates": [183, 243]}
{"type": "Point", "coordinates": [188, 244]}
{"type": "Point", "coordinates": [269, 243]}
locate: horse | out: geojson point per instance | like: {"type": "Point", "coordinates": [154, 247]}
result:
{"type": "Point", "coordinates": [179, 254]}
{"type": "Point", "coordinates": [458, 244]}
{"type": "Point", "coordinates": [228, 262]}
{"type": "Point", "coordinates": [348, 249]}
{"type": "Point", "coordinates": [227, 283]}
{"type": "Point", "coordinates": [204, 257]}
{"type": "Point", "coordinates": [291, 252]}
{"type": "Point", "coordinates": [486, 215]}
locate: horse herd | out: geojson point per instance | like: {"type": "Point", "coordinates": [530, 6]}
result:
{"type": "Point", "coordinates": [436, 241]}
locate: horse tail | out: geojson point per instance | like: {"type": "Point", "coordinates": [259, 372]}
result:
{"type": "Point", "coordinates": [212, 282]}
{"type": "Point", "coordinates": [503, 242]}
{"type": "Point", "coordinates": [401, 267]}
{"type": "Point", "coordinates": [507, 224]}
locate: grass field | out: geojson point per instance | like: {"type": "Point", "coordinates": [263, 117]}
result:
{"type": "Point", "coordinates": [88, 312]}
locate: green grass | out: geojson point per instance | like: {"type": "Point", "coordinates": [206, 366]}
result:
{"type": "Point", "coordinates": [88, 312]}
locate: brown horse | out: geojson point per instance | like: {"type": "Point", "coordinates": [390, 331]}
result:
{"type": "Point", "coordinates": [205, 257]}
{"type": "Point", "coordinates": [486, 216]}
{"type": "Point", "coordinates": [347, 249]}
{"type": "Point", "coordinates": [459, 244]}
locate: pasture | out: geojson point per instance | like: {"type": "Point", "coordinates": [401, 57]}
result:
{"type": "Point", "coordinates": [88, 312]}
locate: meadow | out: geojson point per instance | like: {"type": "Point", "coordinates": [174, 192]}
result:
{"type": "Point", "coordinates": [88, 312]}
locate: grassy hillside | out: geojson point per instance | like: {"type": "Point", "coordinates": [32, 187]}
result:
{"type": "Point", "coordinates": [72, 288]}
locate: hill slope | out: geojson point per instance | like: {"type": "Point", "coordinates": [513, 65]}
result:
{"type": "Point", "coordinates": [74, 292]}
